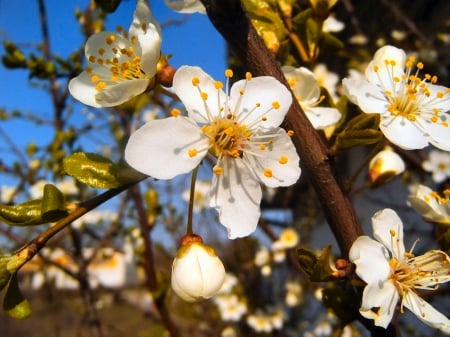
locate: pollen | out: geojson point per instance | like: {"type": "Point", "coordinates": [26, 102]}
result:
{"type": "Point", "coordinates": [262, 146]}
{"type": "Point", "coordinates": [268, 173]}
{"type": "Point", "coordinates": [95, 78]}
{"type": "Point", "coordinates": [393, 232]}
{"type": "Point", "coordinates": [192, 152]}
{"type": "Point", "coordinates": [283, 160]}
{"type": "Point", "coordinates": [100, 85]}
{"type": "Point", "coordinates": [175, 112]}
{"type": "Point", "coordinates": [204, 95]}
{"type": "Point", "coordinates": [110, 39]}
{"type": "Point", "coordinates": [195, 81]}
{"type": "Point", "coordinates": [276, 104]}
{"type": "Point", "coordinates": [92, 58]}
{"type": "Point", "coordinates": [218, 85]}
{"type": "Point", "coordinates": [248, 76]}
{"type": "Point", "coordinates": [290, 133]}
{"type": "Point", "coordinates": [264, 118]}
{"type": "Point", "coordinates": [101, 51]}
{"type": "Point", "coordinates": [218, 170]}
{"type": "Point", "coordinates": [229, 73]}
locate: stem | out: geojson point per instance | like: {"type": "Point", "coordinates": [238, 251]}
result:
{"type": "Point", "coordinates": [149, 263]}
{"type": "Point", "coordinates": [191, 201]}
{"type": "Point", "coordinates": [230, 20]}
{"type": "Point", "coordinates": [31, 248]}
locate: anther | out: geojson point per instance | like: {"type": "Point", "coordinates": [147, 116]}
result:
{"type": "Point", "coordinates": [268, 173]}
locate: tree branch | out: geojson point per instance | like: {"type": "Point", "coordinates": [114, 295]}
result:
{"type": "Point", "coordinates": [230, 20]}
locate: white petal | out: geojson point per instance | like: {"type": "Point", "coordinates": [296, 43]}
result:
{"type": "Point", "coordinates": [402, 132]}
{"type": "Point", "coordinates": [121, 92]}
{"type": "Point", "coordinates": [371, 259]}
{"type": "Point", "coordinates": [439, 134]}
{"type": "Point", "coordinates": [383, 297]}
{"type": "Point", "coordinates": [148, 34]}
{"type": "Point", "coordinates": [369, 97]}
{"type": "Point", "coordinates": [98, 42]}
{"type": "Point", "coordinates": [236, 194]}
{"type": "Point", "coordinates": [160, 147]}
{"type": "Point", "coordinates": [82, 89]}
{"type": "Point", "coordinates": [200, 110]}
{"type": "Point", "coordinates": [279, 156]}
{"type": "Point", "coordinates": [322, 117]}
{"type": "Point", "coordinates": [426, 313]}
{"type": "Point", "coordinates": [262, 90]}
{"type": "Point", "coordinates": [384, 77]}
{"type": "Point", "coordinates": [186, 6]}
{"type": "Point", "coordinates": [305, 86]}
{"type": "Point", "coordinates": [388, 229]}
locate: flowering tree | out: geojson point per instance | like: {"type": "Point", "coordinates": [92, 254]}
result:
{"type": "Point", "coordinates": [276, 134]}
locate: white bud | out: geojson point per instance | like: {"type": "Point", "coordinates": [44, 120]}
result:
{"type": "Point", "coordinates": [197, 272]}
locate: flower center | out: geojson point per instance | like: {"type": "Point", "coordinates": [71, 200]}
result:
{"type": "Point", "coordinates": [118, 55]}
{"type": "Point", "coordinates": [419, 272]}
{"type": "Point", "coordinates": [409, 96]}
{"type": "Point", "coordinates": [226, 136]}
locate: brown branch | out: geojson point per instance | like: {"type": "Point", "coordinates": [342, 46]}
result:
{"type": "Point", "coordinates": [230, 20]}
{"type": "Point", "coordinates": [149, 262]}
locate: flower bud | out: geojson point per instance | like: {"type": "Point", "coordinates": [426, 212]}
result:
{"type": "Point", "coordinates": [384, 166]}
{"type": "Point", "coordinates": [197, 272]}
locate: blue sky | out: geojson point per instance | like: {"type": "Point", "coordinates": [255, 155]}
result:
{"type": "Point", "coordinates": [195, 42]}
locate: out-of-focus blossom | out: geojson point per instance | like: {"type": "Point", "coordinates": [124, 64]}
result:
{"type": "Point", "coordinates": [430, 205]}
{"type": "Point", "coordinates": [228, 283]}
{"type": "Point", "coordinates": [438, 163]}
{"type": "Point", "coordinates": [122, 65]}
{"type": "Point", "coordinates": [228, 332]}
{"type": "Point", "coordinates": [385, 165]}
{"type": "Point", "coordinates": [262, 322]}
{"type": "Point", "coordinates": [398, 35]}
{"type": "Point", "coordinates": [6, 194]}
{"type": "Point", "coordinates": [288, 238]}
{"type": "Point", "coordinates": [294, 293]}
{"type": "Point", "coordinates": [197, 272]}
{"type": "Point", "coordinates": [186, 6]}
{"type": "Point", "coordinates": [307, 92]}
{"type": "Point", "coordinates": [201, 195]}
{"type": "Point", "coordinates": [326, 79]}
{"type": "Point", "coordinates": [239, 127]}
{"type": "Point", "coordinates": [393, 274]}
{"type": "Point", "coordinates": [332, 25]}
{"type": "Point", "coordinates": [358, 39]}
{"type": "Point", "coordinates": [231, 308]}
{"type": "Point", "coordinates": [413, 111]}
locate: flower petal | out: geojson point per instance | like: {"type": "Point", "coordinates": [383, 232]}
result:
{"type": "Point", "coordinates": [425, 312]}
{"type": "Point", "coordinates": [390, 62]}
{"type": "Point", "coordinates": [439, 133]}
{"type": "Point", "coordinates": [186, 6]}
{"type": "Point", "coordinates": [371, 259]}
{"type": "Point", "coordinates": [388, 229]}
{"type": "Point", "coordinates": [303, 83]}
{"type": "Point", "coordinates": [378, 302]}
{"type": "Point", "coordinates": [273, 158]}
{"type": "Point", "coordinates": [236, 194]}
{"type": "Point", "coordinates": [82, 89]}
{"type": "Point", "coordinates": [402, 132]}
{"type": "Point", "coordinates": [322, 117]}
{"type": "Point", "coordinates": [148, 33]}
{"type": "Point", "coordinates": [121, 92]}
{"type": "Point", "coordinates": [198, 109]}
{"type": "Point", "coordinates": [162, 148]}
{"type": "Point", "coordinates": [369, 97]}
{"type": "Point", "coordinates": [261, 101]}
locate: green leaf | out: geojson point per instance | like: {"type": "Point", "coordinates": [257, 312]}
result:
{"type": "Point", "coordinates": [92, 169]}
{"type": "Point", "coordinates": [36, 212]}
{"type": "Point", "coordinates": [14, 304]}
{"type": "Point", "coordinates": [53, 204]}
{"type": "Point", "coordinates": [5, 275]}
{"type": "Point", "coordinates": [361, 130]}
{"type": "Point", "coordinates": [317, 266]}
{"type": "Point", "coordinates": [25, 214]}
